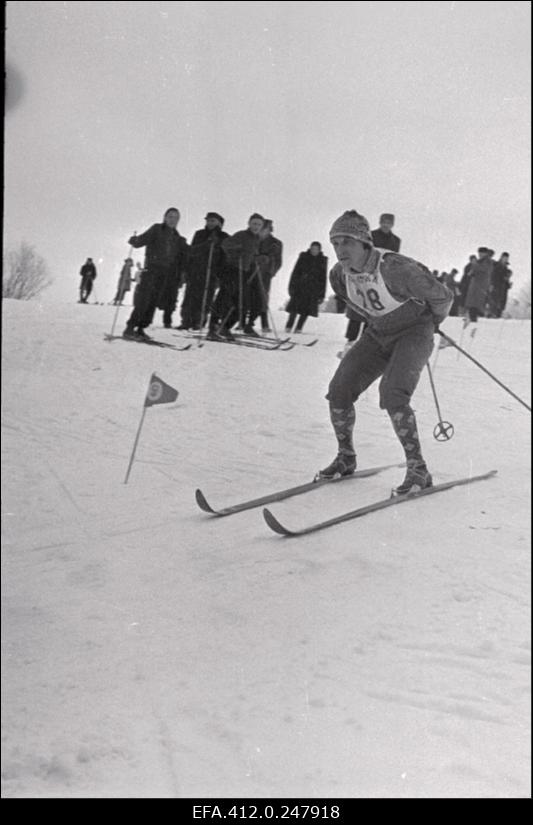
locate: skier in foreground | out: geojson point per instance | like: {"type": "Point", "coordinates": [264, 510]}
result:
{"type": "Point", "coordinates": [402, 304]}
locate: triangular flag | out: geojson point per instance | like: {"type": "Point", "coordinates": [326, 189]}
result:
{"type": "Point", "coordinates": [159, 392]}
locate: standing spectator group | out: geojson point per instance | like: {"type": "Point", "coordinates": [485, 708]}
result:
{"type": "Point", "coordinates": [483, 288]}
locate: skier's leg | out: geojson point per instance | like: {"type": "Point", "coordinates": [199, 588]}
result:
{"type": "Point", "coordinates": [142, 299]}
{"type": "Point", "coordinates": [301, 321]}
{"type": "Point", "coordinates": [290, 322]}
{"type": "Point", "coordinates": [362, 365]}
{"type": "Point", "coordinates": [410, 355]}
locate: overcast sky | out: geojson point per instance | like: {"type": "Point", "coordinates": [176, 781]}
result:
{"type": "Point", "coordinates": [297, 110]}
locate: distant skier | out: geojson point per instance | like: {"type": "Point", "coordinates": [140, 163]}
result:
{"type": "Point", "coordinates": [402, 303]}
{"type": "Point", "coordinates": [164, 264]}
{"type": "Point", "coordinates": [307, 286]}
{"type": "Point", "coordinates": [124, 281]}
{"type": "Point", "coordinates": [206, 262]}
{"type": "Point", "coordinates": [88, 275]}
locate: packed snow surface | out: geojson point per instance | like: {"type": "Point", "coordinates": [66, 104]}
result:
{"type": "Point", "coordinates": [150, 650]}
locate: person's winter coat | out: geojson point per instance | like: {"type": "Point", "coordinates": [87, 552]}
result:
{"type": "Point", "coordinates": [165, 248]}
{"type": "Point", "coordinates": [200, 250]}
{"type": "Point", "coordinates": [307, 285]}
{"type": "Point", "coordinates": [241, 248]}
{"type": "Point", "coordinates": [88, 272]}
{"type": "Point", "coordinates": [500, 285]}
{"type": "Point", "coordinates": [386, 240]}
{"type": "Point", "coordinates": [167, 254]}
{"type": "Point", "coordinates": [270, 256]}
{"type": "Point", "coordinates": [478, 288]}
{"type": "Point", "coordinates": [124, 281]}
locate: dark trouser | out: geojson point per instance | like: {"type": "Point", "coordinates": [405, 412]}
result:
{"type": "Point", "coordinates": [86, 287]}
{"type": "Point", "coordinates": [399, 360]}
{"type": "Point", "coordinates": [255, 297]}
{"type": "Point", "coordinates": [197, 298]}
{"type": "Point", "coordinates": [147, 297]}
{"type": "Point", "coordinates": [230, 299]}
{"type": "Point", "coordinates": [292, 318]}
{"type": "Point", "coordinates": [473, 314]}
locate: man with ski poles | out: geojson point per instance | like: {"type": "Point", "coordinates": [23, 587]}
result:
{"type": "Point", "coordinates": [402, 304]}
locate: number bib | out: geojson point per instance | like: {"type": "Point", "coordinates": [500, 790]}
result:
{"type": "Point", "coordinates": [368, 291]}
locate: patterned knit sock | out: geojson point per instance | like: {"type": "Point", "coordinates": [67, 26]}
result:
{"type": "Point", "coordinates": [343, 421]}
{"type": "Point", "coordinates": [404, 423]}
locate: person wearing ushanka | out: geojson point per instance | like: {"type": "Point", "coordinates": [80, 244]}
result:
{"type": "Point", "coordinates": [402, 304]}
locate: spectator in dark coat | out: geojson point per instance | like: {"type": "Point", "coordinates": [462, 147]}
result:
{"type": "Point", "coordinates": [383, 238]}
{"type": "Point", "coordinates": [500, 286]}
{"type": "Point", "coordinates": [269, 261]}
{"type": "Point", "coordinates": [88, 274]}
{"type": "Point", "coordinates": [307, 286]}
{"type": "Point", "coordinates": [478, 288]}
{"type": "Point", "coordinates": [232, 302]}
{"type": "Point", "coordinates": [206, 261]}
{"type": "Point", "coordinates": [164, 267]}
{"type": "Point", "coordinates": [124, 281]}
{"type": "Point", "coordinates": [453, 286]}
{"type": "Point", "coordinates": [465, 281]}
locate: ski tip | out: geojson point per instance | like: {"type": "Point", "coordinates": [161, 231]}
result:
{"type": "Point", "coordinates": [311, 343]}
{"type": "Point", "coordinates": [202, 502]}
{"type": "Point", "coordinates": [274, 524]}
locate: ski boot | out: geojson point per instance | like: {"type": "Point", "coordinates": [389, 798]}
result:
{"type": "Point", "coordinates": [343, 464]}
{"type": "Point", "coordinates": [141, 335]}
{"type": "Point", "coordinates": [417, 478]}
{"type": "Point", "coordinates": [129, 333]}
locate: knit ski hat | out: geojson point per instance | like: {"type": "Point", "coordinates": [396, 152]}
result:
{"type": "Point", "coordinates": [352, 225]}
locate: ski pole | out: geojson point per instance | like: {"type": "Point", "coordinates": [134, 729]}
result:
{"type": "Point", "coordinates": [265, 302]}
{"type": "Point", "coordinates": [484, 369]}
{"type": "Point", "coordinates": [442, 431]}
{"type": "Point", "coordinates": [110, 336]}
{"type": "Point", "coordinates": [241, 295]}
{"type": "Point", "coordinates": [206, 289]}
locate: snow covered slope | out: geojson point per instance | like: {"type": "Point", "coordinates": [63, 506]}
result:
{"type": "Point", "coordinates": [151, 650]}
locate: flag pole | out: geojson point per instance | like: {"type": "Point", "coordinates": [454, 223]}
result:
{"type": "Point", "coordinates": [135, 444]}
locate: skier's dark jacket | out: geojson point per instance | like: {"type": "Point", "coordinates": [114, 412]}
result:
{"type": "Point", "coordinates": [408, 281]}
{"type": "Point", "coordinates": [242, 248]}
{"type": "Point", "coordinates": [200, 249]}
{"type": "Point", "coordinates": [165, 248]}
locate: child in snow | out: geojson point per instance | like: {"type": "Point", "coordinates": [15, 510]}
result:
{"type": "Point", "coordinates": [402, 304]}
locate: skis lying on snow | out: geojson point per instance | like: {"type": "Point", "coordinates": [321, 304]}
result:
{"type": "Point", "coordinates": [288, 493]}
{"type": "Point", "coordinates": [277, 527]}
{"type": "Point", "coordinates": [149, 341]}
{"type": "Point", "coordinates": [283, 344]}
{"type": "Point", "coordinates": [276, 340]}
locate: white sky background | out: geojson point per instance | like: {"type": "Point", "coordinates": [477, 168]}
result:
{"type": "Point", "coordinates": [297, 110]}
